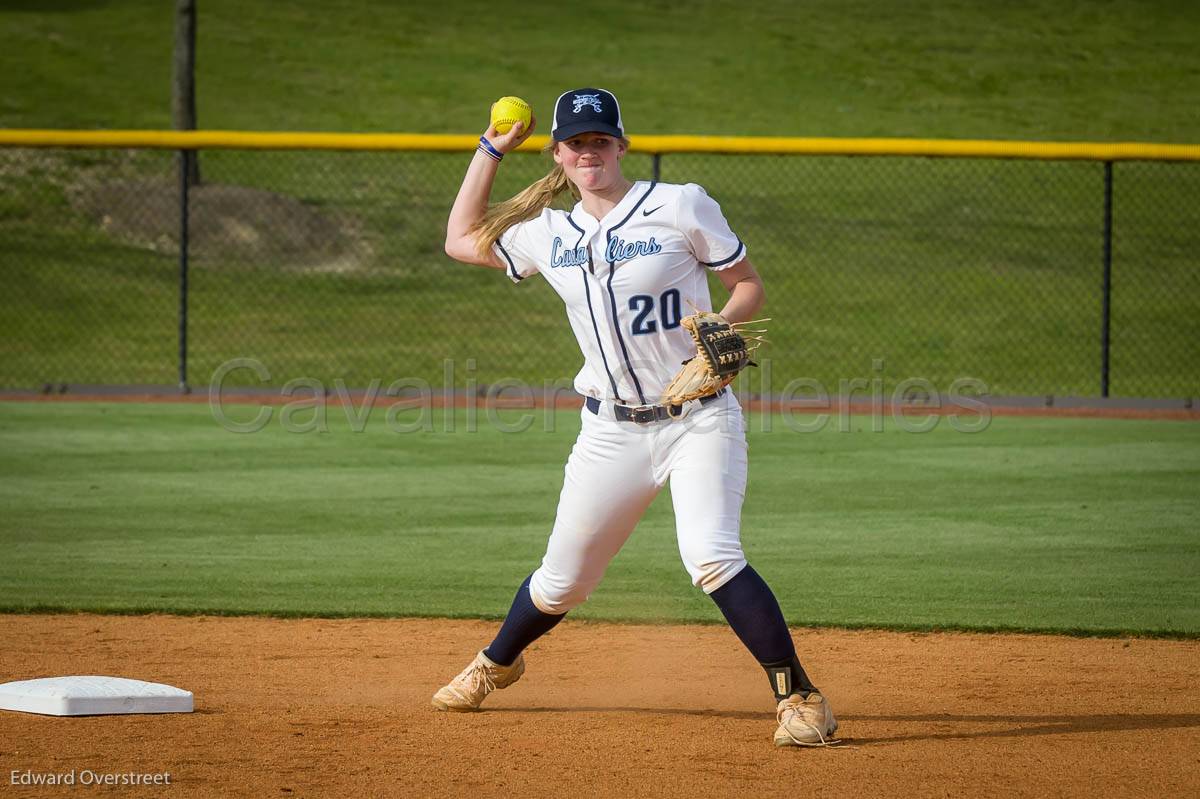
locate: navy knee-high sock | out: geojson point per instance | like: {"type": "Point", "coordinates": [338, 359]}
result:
{"type": "Point", "coordinates": [523, 625]}
{"type": "Point", "coordinates": [753, 612]}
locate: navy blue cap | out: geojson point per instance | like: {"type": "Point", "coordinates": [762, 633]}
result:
{"type": "Point", "coordinates": [586, 111]}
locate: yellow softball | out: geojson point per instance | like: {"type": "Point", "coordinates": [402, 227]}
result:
{"type": "Point", "coordinates": [509, 110]}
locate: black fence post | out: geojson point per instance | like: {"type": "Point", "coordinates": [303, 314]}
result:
{"type": "Point", "coordinates": [656, 166]}
{"type": "Point", "coordinates": [1106, 297]}
{"type": "Point", "coordinates": [185, 157]}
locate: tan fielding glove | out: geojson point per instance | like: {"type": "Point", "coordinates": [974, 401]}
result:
{"type": "Point", "coordinates": [721, 352]}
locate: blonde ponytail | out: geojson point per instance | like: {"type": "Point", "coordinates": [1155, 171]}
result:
{"type": "Point", "coordinates": [525, 206]}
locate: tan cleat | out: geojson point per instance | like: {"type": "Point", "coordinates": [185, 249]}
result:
{"type": "Point", "coordinates": [466, 692]}
{"type": "Point", "coordinates": [805, 721]}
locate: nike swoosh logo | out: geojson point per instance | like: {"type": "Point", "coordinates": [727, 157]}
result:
{"type": "Point", "coordinates": [652, 210]}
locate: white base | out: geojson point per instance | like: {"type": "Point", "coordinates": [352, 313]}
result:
{"type": "Point", "coordinates": [92, 696]}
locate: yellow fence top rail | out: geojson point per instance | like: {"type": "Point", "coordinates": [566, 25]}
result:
{"type": "Point", "coordinates": [943, 148]}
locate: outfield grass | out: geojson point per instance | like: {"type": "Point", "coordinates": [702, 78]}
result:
{"type": "Point", "coordinates": [1034, 524]}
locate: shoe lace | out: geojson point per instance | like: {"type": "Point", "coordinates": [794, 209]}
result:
{"type": "Point", "coordinates": [797, 713]}
{"type": "Point", "coordinates": [478, 677]}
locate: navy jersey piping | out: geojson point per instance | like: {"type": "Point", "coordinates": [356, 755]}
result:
{"type": "Point", "coordinates": [736, 253]}
{"type": "Point", "coordinates": [636, 206]}
{"type": "Point", "coordinates": [612, 270]}
{"type": "Point", "coordinates": [587, 292]}
{"type": "Point", "coordinates": [512, 268]}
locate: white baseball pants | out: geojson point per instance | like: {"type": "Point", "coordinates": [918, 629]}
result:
{"type": "Point", "coordinates": [614, 471]}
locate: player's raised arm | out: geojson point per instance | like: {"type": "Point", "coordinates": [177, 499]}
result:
{"type": "Point", "coordinates": [462, 240]}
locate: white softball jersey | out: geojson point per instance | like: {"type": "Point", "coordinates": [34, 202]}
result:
{"type": "Point", "coordinates": [627, 280]}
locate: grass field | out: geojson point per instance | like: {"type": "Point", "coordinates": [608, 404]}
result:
{"type": "Point", "coordinates": [1124, 69]}
{"type": "Point", "coordinates": [989, 270]}
{"type": "Point", "coordinates": [943, 270]}
{"type": "Point", "coordinates": [1039, 524]}
{"type": "Point", "coordinates": [330, 266]}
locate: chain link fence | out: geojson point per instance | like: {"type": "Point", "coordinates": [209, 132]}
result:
{"type": "Point", "coordinates": [329, 265]}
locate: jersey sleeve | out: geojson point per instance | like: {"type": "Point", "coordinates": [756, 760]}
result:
{"type": "Point", "coordinates": [516, 247]}
{"type": "Point", "coordinates": [699, 218]}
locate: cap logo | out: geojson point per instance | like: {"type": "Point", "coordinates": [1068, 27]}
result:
{"type": "Point", "coordinates": [586, 99]}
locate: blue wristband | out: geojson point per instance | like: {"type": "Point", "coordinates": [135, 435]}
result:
{"type": "Point", "coordinates": [487, 148]}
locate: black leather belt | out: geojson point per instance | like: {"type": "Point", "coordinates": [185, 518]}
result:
{"type": "Point", "coordinates": [647, 413]}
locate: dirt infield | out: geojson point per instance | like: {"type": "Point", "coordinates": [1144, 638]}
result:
{"type": "Point", "coordinates": [341, 707]}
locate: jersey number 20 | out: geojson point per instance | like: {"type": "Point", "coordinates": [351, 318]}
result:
{"type": "Point", "coordinates": [670, 311]}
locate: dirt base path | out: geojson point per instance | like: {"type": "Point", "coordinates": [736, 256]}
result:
{"type": "Point", "coordinates": [341, 708]}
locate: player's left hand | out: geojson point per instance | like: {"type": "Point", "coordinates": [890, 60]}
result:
{"type": "Point", "coordinates": [721, 352]}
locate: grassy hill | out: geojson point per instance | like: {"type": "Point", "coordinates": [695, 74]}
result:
{"type": "Point", "coordinates": [329, 265]}
{"type": "Point", "coordinates": [1125, 69]}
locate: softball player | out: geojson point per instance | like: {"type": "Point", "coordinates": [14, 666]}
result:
{"type": "Point", "coordinates": [629, 260]}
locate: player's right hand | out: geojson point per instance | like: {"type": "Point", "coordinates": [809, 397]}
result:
{"type": "Point", "coordinates": [516, 135]}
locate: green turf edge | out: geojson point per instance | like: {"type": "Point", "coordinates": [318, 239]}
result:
{"type": "Point", "coordinates": [1069, 632]}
